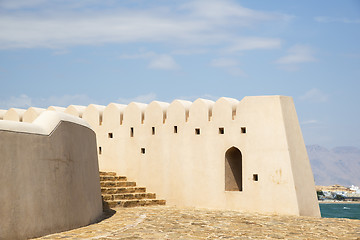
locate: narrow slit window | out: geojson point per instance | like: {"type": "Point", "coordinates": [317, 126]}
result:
{"type": "Point", "coordinates": [100, 150]}
{"type": "Point", "coordinates": [143, 150]}
{"type": "Point", "coordinates": [121, 119]}
{"type": "Point", "coordinates": [131, 132]}
{"type": "Point", "coordinates": [221, 130]}
{"type": "Point", "coordinates": [110, 135]}
{"type": "Point", "coordinates": [100, 120]}
{"type": "Point", "coordinates": [142, 118]}
{"type": "Point", "coordinates": [197, 131]}
{"type": "Point", "coordinates": [175, 129]}
{"type": "Point", "coordinates": [164, 117]}
{"type": "Point", "coordinates": [255, 177]}
{"type": "Point", "coordinates": [243, 130]}
{"type": "Point", "coordinates": [153, 130]}
{"type": "Point", "coordinates": [233, 114]}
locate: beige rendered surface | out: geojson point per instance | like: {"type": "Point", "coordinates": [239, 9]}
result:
{"type": "Point", "coordinates": [187, 167]}
{"type": "Point", "coordinates": [32, 113]}
{"type": "Point", "coordinates": [2, 113]}
{"type": "Point", "coordinates": [49, 176]}
{"type": "Point", "coordinates": [75, 110]}
{"type": "Point", "coordinates": [58, 109]}
{"type": "Point", "coordinates": [14, 114]}
{"type": "Point", "coordinates": [183, 152]}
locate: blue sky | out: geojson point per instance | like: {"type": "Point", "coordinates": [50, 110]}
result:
{"type": "Point", "coordinates": [81, 52]}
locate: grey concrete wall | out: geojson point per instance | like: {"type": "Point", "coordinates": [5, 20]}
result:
{"type": "Point", "coordinates": [48, 182]}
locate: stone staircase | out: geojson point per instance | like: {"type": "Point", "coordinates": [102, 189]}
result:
{"type": "Point", "coordinates": [118, 192]}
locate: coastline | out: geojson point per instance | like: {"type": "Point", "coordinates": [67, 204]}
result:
{"type": "Point", "coordinates": [339, 202]}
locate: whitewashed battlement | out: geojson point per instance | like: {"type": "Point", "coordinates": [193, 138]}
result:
{"type": "Point", "coordinates": [246, 155]}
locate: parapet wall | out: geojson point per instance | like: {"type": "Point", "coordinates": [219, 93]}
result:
{"type": "Point", "coordinates": [49, 179]}
{"type": "Point", "coordinates": [246, 155]}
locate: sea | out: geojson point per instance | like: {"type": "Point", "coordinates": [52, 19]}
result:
{"type": "Point", "coordinates": [340, 210]}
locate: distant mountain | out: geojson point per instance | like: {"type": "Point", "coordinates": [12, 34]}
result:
{"type": "Point", "coordinates": [340, 165]}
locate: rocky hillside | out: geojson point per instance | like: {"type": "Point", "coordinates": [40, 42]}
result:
{"type": "Point", "coordinates": [340, 165]}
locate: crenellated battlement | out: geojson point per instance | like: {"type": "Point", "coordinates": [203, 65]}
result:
{"type": "Point", "coordinates": [137, 113]}
{"type": "Point", "coordinates": [227, 154]}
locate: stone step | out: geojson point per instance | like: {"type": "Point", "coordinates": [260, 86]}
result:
{"type": "Point", "coordinates": [117, 184]}
{"type": "Point", "coordinates": [128, 196]}
{"type": "Point", "coordinates": [116, 190]}
{"type": "Point", "coordinates": [113, 178]}
{"type": "Point", "coordinates": [107, 173]}
{"type": "Point", "coordinates": [135, 203]}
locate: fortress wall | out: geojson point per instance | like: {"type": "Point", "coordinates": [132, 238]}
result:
{"type": "Point", "coordinates": [93, 114]}
{"type": "Point", "coordinates": [75, 110]}
{"type": "Point", "coordinates": [265, 153]}
{"type": "Point", "coordinates": [49, 176]}
{"type": "Point", "coordinates": [113, 117]}
{"type": "Point", "coordinates": [179, 151]}
{"type": "Point", "coordinates": [58, 109]}
{"type": "Point", "coordinates": [187, 168]}
{"type": "Point", "coordinates": [32, 113]}
{"type": "Point", "coordinates": [302, 174]}
{"type": "Point", "coordinates": [14, 114]}
{"type": "Point", "coordinates": [2, 113]}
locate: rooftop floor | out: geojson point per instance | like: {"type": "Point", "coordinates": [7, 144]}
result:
{"type": "Point", "coordinates": [164, 222]}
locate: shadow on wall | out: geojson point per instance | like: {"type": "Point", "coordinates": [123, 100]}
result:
{"type": "Point", "coordinates": [233, 170]}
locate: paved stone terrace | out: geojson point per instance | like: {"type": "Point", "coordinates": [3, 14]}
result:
{"type": "Point", "coordinates": [163, 222]}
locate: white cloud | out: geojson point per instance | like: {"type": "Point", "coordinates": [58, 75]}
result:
{"type": "Point", "coordinates": [142, 55]}
{"type": "Point", "coordinates": [297, 54]}
{"type": "Point", "coordinates": [231, 66]}
{"type": "Point", "coordinates": [24, 101]}
{"type": "Point", "coordinates": [224, 62]}
{"type": "Point", "coordinates": [314, 95]}
{"type": "Point", "coordinates": [16, 4]}
{"type": "Point", "coordinates": [157, 61]}
{"type": "Point", "coordinates": [60, 24]}
{"type": "Point", "coordinates": [225, 9]}
{"type": "Point", "coordinates": [185, 52]}
{"type": "Point", "coordinates": [204, 96]}
{"type": "Point", "coordinates": [323, 19]}
{"type": "Point", "coordinates": [163, 62]}
{"type": "Point", "coordinates": [252, 43]}
{"type": "Point", "coordinates": [307, 122]}
{"type": "Point", "coordinates": [146, 98]}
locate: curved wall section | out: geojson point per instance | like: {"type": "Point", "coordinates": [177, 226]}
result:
{"type": "Point", "coordinates": [49, 179]}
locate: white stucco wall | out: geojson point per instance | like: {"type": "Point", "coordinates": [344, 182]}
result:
{"type": "Point", "coordinates": [32, 113]}
{"type": "Point", "coordinates": [49, 179]}
{"type": "Point", "coordinates": [189, 170]}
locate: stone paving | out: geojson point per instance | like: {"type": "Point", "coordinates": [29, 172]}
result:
{"type": "Point", "coordinates": [164, 222]}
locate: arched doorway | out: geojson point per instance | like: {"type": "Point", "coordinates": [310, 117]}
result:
{"type": "Point", "coordinates": [233, 170]}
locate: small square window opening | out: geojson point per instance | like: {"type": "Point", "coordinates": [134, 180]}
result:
{"type": "Point", "coordinates": [255, 177]}
{"type": "Point", "coordinates": [221, 130]}
{"type": "Point", "coordinates": [243, 130]}
{"type": "Point", "coordinates": [175, 129]}
{"type": "Point", "coordinates": [110, 135]}
{"type": "Point", "coordinates": [143, 150]}
{"type": "Point", "coordinates": [197, 131]}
